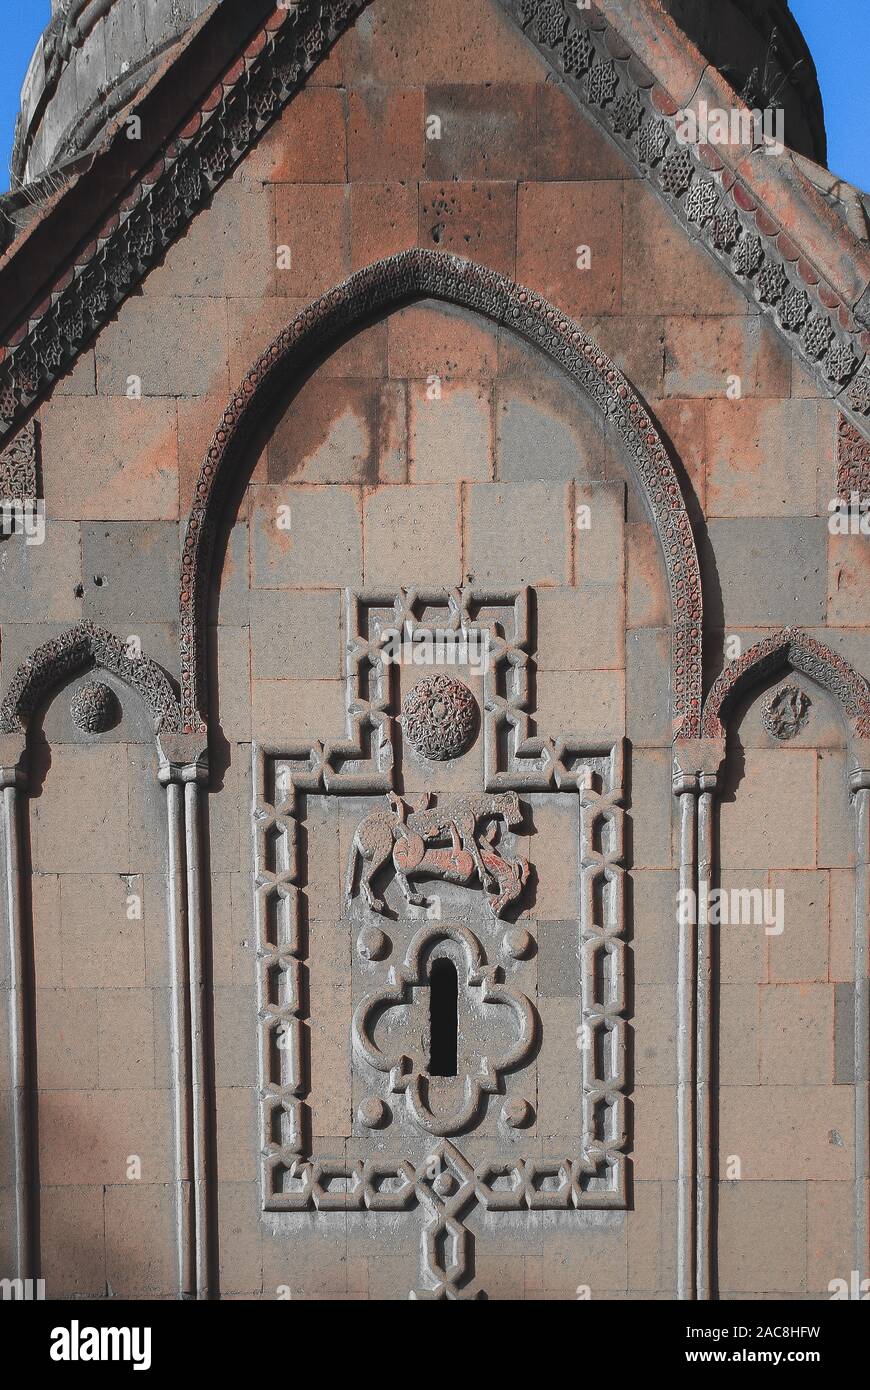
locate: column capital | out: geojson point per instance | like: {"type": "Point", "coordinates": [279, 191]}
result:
{"type": "Point", "coordinates": [13, 760]}
{"type": "Point", "coordinates": [696, 764]}
{"type": "Point", "coordinates": [859, 764]}
{"type": "Point", "coordinates": [183, 758]}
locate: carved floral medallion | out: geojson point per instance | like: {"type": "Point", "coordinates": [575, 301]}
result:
{"type": "Point", "coordinates": [786, 712]}
{"type": "Point", "coordinates": [439, 717]}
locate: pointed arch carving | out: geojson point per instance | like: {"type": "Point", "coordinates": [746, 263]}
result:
{"type": "Point", "coordinates": [385, 285]}
{"type": "Point", "coordinates": [75, 650]}
{"type": "Point", "coordinates": [791, 647]}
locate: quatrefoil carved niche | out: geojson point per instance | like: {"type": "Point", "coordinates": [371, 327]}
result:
{"type": "Point", "coordinates": [404, 1029]}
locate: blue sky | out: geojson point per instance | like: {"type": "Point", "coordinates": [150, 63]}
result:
{"type": "Point", "coordinates": [838, 33]}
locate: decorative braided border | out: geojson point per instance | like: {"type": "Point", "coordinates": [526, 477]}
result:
{"type": "Point", "coordinates": [802, 652]}
{"type": "Point", "coordinates": [74, 650]}
{"type": "Point", "coordinates": [18, 466]}
{"type": "Point", "coordinates": [379, 287]}
{"type": "Point", "coordinates": [853, 462]}
{"type": "Point", "coordinates": [159, 204]}
{"type": "Point", "coordinates": [714, 206]}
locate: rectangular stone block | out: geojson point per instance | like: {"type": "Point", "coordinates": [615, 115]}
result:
{"type": "Point", "coordinates": [383, 221]}
{"type": "Point", "coordinates": [124, 561]}
{"type": "Point", "coordinates": [72, 1241]}
{"type": "Point", "coordinates": [66, 1031]}
{"type": "Point", "coordinates": [569, 244]}
{"type": "Point", "coordinates": [140, 1230]}
{"type": "Point", "coordinates": [312, 224]}
{"type": "Point", "coordinates": [476, 219]}
{"type": "Point", "coordinates": [227, 250]}
{"type": "Point", "coordinates": [756, 830]}
{"type": "Point", "coordinates": [753, 466]}
{"type": "Point", "coordinates": [288, 709]}
{"type": "Point", "coordinates": [487, 131]}
{"type": "Point", "coordinates": [146, 350]}
{"type": "Point", "coordinates": [295, 637]}
{"type": "Point", "coordinates": [102, 947]}
{"type": "Point", "coordinates": [518, 533]}
{"type": "Point", "coordinates": [762, 1234]}
{"type": "Point", "coordinates": [769, 572]}
{"type": "Point", "coordinates": [76, 827]}
{"type": "Point", "coordinates": [305, 537]}
{"type": "Point", "coordinates": [801, 952]}
{"type": "Point", "coordinates": [412, 536]}
{"type": "Point", "coordinates": [713, 356]}
{"type": "Point", "coordinates": [542, 432]}
{"type": "Point", "coordinates": [580, 629]}
{"type": "Point", "coordinates": [665, 272]}
{"type": "Point", "coordinates": [450, 433]}
{"type": "Point", "coordinates": [89, 1136]}
{"type": "Point", "coordinates": [306, 144]}
{"type": "Point", "coordinates": [132, 453]}
{"type": "Point", "coordinates": [429, 339]}
{"type": "Point", "coordinates": [787, 1132]}
{"type": "Point", "coordinates": [41, 580]}
{"type": "Point", "coordinates": [385, 133]}
{"type": "Point", "coordinates": [797, 1034]}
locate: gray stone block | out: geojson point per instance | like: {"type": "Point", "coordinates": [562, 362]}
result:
{"type": "Point", "coordinates": [558, 959]}
{"type": "Point", "coordinates": [129, 567]}
{"type": "Point", "coordinates": [767, 571]}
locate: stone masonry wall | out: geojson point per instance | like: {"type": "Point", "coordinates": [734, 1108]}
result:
{"type": "Point", "coordinates": [433, 449]}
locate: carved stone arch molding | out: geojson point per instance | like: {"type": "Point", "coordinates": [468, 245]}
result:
{"type": "Point", "coordinates": [385, 285]}
{"type": "Point", "coordinates": [696, 782]}
{"type": "Point", "coordinates": [294, 1175]}
{"type": "Point", "coordinates": [181, 768]}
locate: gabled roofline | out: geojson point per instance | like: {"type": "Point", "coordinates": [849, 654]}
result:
{"type": "Point", "coordinates": [756, 212]}
{"type": "Point", "coordinates": [626, 60]}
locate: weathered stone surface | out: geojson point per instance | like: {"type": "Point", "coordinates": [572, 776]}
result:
{"type": "Point", "coordinates": [434, 462]}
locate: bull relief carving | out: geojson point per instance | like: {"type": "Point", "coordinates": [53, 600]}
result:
{"type": "Point", "coordinates": [417, 843]}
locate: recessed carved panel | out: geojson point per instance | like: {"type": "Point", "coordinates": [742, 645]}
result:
{"type": "Point", "coordinates": [447, 1044]}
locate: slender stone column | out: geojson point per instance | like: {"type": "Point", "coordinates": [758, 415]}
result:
{"type": "Point", "coordinates": [696, 764]}
{"type": "Point", "coordinates": [704, 1046]}
{"type": "Point", "coordinates": [13, 780]}
{"type": "Point", "coordinates": [860, 787]}
{"type": "Point", "coordinates": [685, 788]}
{"type": "Point", "coordinates": [182, 771]}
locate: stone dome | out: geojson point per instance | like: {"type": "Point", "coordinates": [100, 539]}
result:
{"type": "Point", "coordinates": [758, 46]}
{"type": "Point", "coordinates": [92, 59]}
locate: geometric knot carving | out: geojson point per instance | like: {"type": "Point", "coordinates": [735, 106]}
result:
{"type": "Point", "coordinates": [407, 996]}
{"type": "Point", "coordinates": [18, 466]}
{"type": "Point", "coordinates": [853, 462]}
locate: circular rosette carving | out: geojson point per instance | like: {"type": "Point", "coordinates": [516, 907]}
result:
{"type": "Point", "coordinates": [786, 712]}
{"type": "Point", "coordinates": [94, 708]}
{"type": "Point", "coordinates": [439, 717]}
{"type": "Point", "coordinates": [406, 1062]}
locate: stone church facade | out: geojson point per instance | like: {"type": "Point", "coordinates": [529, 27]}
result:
{"type": "Point", "coordinates": [434, 726]}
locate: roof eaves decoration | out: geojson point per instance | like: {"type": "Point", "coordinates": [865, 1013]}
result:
{"type": "Point", "coordinates": [635, 72]}
{"type": "Point", "coordinates": [163, 199]}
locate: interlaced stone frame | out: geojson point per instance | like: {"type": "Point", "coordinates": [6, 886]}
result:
{"type": "Point", "coordinates": [293, 1177]}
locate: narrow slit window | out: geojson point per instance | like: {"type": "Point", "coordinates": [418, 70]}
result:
{"type": "Point", "coordinates": [443, 1018]}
